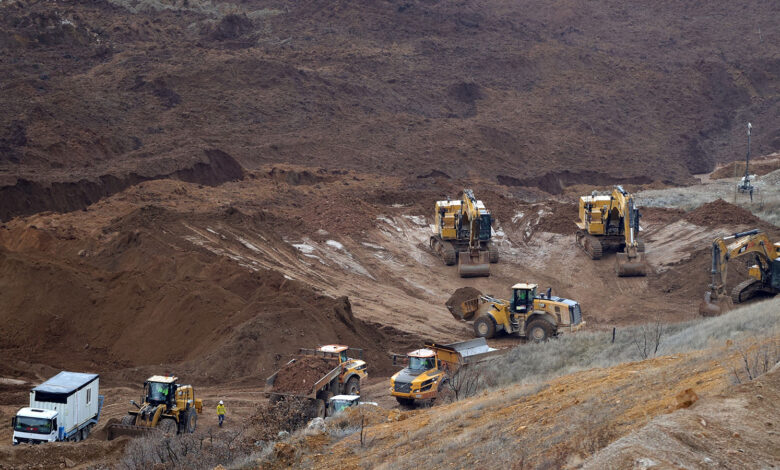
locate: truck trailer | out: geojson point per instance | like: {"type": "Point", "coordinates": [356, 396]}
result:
{"type": "Point", "coordinates": [64, 408]}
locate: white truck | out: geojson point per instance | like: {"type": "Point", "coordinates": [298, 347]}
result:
{"type": "Point", "coordinates": [64, 408]}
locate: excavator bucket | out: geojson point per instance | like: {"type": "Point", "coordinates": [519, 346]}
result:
{"type": "Point", "coordinates": [628, 267]}
{"type": "Point", "coordinates": [714, 305]}
{"type": "Point", "coordinates": [474, 263]}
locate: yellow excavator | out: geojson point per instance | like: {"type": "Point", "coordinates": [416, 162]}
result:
{"type": "Point", "coordinates": [166, 406]}
{"type": "Point", "coordinates": [764, 276]}
{"type": "Point", "coordinates": [611, 223]}
{"type": "Point", "coordinates": [462, 233]}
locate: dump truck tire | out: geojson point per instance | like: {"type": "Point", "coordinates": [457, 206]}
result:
{"type": "Point", "coordinates": [352, 386]}
{"type": "Point", "coordinates": [539, 330]}
{"type": "Point", "coordinates": [485, 327]}
{"type": "Point", "coordinates": [318, 409]}
{"type": "Point", "coordinates": [404, 401]}
{"type": "Point", "coordinates": [128, 420]}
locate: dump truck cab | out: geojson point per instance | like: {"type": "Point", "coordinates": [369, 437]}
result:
{"type": "Point", "coordinates": [420, 379]}
{"type": "Point", "coordinates": [352, 370]}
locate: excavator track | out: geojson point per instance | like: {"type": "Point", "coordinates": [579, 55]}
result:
{"type": "Point", "coordinates": [745, 290]}
{"type": "Point", "coordinates": [444, 249]}
{"type": "Point", "coordinates": [493, 251]}
{"type": "Point", "coordinates": [590, 244]}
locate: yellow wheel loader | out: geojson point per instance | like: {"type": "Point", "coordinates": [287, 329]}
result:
{"type": "Point", "coordinates": [429, 370]}
{"type": "Point", "coordinates": [527, 315]}
{"type": "Point", "coordinates": [165, 406]}
{"type": "Point", "coordinates": [462, 234]}
{"type": "Point", "coordinates": [764, 276]}
{"type": "Point", "coordinates": [611, 223]}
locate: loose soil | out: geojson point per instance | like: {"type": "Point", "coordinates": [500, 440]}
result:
{"type": "Point", "coordinates": [720, 213]}
{"type": "Point", "coordinates": [299, 377]}
{"type": "Point", "coordinates": [458, 297]}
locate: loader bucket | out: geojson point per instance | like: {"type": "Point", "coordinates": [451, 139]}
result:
{"type": "Point", "coordinates": [474, 264]}
{"type": "Point", "coordinates": [628, 267]}
{"type": "Point", "coordinates": [464, 303]}
{"type": "Point", "coordinates": [714, 305]}
{"type": "Point", "coordinates": [116, 430]}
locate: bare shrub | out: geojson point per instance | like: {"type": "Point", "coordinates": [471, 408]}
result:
{"type": "Point", "coordinates": [465, 382]}
{"type": "Point", "coordinates": [647, 338]}
{"type": "Point", "coordinates": [286, 414]}
{"type": "Point", "coordinates": [193, 451]}
{"type": "Point", "coordinates": [755, 359]}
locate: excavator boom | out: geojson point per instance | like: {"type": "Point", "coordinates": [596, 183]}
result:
{"type": "Point", "coordinates": [716, 300]}
{"type": "Point", "coordinates": [474, 262]}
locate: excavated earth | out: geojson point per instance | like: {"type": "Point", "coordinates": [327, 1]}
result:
{"type": "Point", "coordinates": [202, 188]}
{"type": "Point", "coordinates": [300, 376]}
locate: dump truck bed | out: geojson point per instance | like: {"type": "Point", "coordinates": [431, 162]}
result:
{"type": "Point", "coordinates": [318, 385]}
{"type": "Point", "coordinates": [466, 352]}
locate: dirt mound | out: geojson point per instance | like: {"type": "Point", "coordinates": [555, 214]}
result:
{"type": "Point", "coordinates": [561, 220]}
{"type": "Point", "coordinates": [300, 376]}
{"type": "Point", "coordinates": [720, 213]}
{"type": "Point", "coordinates": [458, 297]}
{"type": "Point", "coordinates": [737, 169]}
{"type": "Point", "coordinates": [144, 293]}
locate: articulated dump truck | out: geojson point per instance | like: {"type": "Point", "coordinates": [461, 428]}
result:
{"type": "Point", "coordinates": [429, 370]}
{"type": "Point", "coordinates": [316, 375]}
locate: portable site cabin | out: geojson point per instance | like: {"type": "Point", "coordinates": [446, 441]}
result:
{"type": "Point", "coordinates": [74, 398]}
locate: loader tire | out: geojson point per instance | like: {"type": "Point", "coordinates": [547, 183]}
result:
{"type": "Point", "coordinates": [485, 327]}
{"type": "Point", "coordinates": [539, 330]}
{"type": "Point", "coordinates": [129, 420]}
{"type": "Point", "coordinates": [493, 252]}
{"type": "Point", "coordinates": [190, 421]}
{"type": "Point", "coordinates": [352, 387]}
{"type": "Point", "coordinates": [168, 427]}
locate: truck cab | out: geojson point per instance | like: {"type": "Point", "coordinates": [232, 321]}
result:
{"type": "Point", "coordinates": [420, 379]}
{"type": "Point", "coordinates": [34, 425]}
{"type": "Point", "coordinates": [340, 403]}
{"type": "Point", "coordinates": [352, 370]}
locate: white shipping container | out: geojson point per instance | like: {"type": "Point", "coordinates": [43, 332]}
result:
{"type": "Point", "coordinates": [74, 395]}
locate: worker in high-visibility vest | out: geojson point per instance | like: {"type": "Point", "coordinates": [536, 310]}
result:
{"type": "Point", "coordinates": [221, 412]}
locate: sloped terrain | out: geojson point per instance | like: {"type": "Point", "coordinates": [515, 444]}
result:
{"type": "Point", "coordinates": [99, 94]}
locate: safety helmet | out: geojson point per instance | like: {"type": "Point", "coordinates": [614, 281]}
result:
{"type": "Point", "coordinates": [220, 402]}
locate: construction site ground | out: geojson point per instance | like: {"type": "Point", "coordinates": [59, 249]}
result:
{"type": "Point", "coordinates": [221, 285]}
